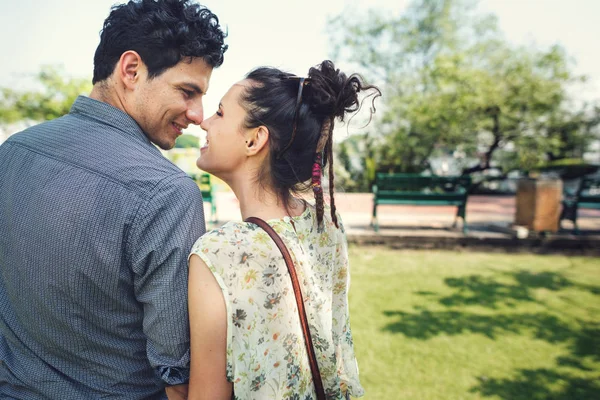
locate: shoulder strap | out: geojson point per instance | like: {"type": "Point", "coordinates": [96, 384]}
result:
{"type": "Point", "coordinates": [314, 367]}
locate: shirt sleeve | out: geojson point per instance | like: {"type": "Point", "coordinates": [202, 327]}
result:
{"type": "Point", "coordinates": [162, 234]}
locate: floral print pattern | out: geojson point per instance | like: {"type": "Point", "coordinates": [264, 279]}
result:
{"type": "Point", "coordinates": [266, 354]}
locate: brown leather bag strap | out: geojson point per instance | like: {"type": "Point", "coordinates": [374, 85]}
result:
{"type": "Point", "coordinates": [314, 367]}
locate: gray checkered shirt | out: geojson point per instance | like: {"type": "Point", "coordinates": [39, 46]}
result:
{"type": "Point", "coordinates": [95, 229]}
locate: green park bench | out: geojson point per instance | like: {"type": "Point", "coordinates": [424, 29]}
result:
{"type": "Point", "coordinates": [587, 196]}
{"type": "Point", "coordinates": [413, 189]}
{"type": "Point", "coordinates": [203, 181]}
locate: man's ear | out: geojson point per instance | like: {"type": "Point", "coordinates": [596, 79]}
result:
{"type": "Point", "coordinates": [129, 68]}
{"type": "Point", "coordinates": [257, 140]}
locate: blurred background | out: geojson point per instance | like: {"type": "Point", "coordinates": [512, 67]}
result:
{"type": "Point", "coordinates": [494, 88]}
{"type": "Point", "coordinates": [497, 101]}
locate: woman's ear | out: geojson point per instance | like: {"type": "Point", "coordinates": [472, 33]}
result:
{"type": "Point", "coordinates": [257, 140]}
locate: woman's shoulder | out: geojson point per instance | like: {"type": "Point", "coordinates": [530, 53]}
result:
{"type": "Point", "coordinates": [218, 236]}
{"type": "Point", "coordinates": [232, 237]}
{"type": "Point", "coordinates": [230, 228]}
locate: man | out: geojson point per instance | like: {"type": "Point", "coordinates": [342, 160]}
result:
{"type": "Point", "coordinates": [96, 225]}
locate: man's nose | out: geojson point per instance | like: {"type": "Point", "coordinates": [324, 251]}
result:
{"type": "Point", "coordinates": [195, 113]}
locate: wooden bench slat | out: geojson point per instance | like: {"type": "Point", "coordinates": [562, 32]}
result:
{"type": "Point", "coordinates": [412, 196]}
{"type": "Point", "coordinates": [421, 202]}
{"type": "Point", "coordinates": [595, 205]}
{"type": "Point", "coordinates": [410, 189]}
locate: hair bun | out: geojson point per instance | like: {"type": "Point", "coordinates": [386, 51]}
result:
{"type": "Point", "coordinates": [330, 92]}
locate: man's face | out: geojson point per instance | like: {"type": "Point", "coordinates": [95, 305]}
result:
{"type": "Point", "coordinates": [168, 103]}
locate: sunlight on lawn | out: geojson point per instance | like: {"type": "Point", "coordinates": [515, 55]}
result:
{"type": "Point", "coordinates": [452, 325]}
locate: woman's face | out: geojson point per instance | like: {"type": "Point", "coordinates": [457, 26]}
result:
{"type": "Point", "coordinates": [225, 148]}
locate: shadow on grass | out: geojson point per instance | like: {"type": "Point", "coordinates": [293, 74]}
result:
{"type": "Point", "coordinates": [582, 337]}
{"type": "Point", "coordinates": [587, 343]}
{"type": "Point", "coordinates": [427, 324]}
{"type": "Point", "coordinates": [488, 292]}
{"type": "Point", "coordinates": [540, 384]}
{"type": "Point", "coordinates": [484, 291]}
{"type": "Point", "coordinates": [583, 340]}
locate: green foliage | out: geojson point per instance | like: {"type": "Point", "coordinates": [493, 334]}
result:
{"type": "Point", "coordinates": [450, 81]}
{"type": "Point", "coordinates": [53, 99]}
{"type": "Point", "coordinates": [568, 168]}
{"type": "Point", "coordinates": [354, 172]}
{"type": "Point", "coordinates": [187, 141]}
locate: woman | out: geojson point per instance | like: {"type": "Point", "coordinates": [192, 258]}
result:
{"type": "Point", "coordinates": [269, 140]}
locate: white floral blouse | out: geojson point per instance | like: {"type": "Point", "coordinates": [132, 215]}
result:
{"type": "Point", "coordinates": [266, 354]}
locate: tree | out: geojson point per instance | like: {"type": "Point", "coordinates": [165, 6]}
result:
{"type": "Point", "coordinates": [187, 141]}
{"type": "Point", "coordinates": [452, 83]}
{"type": "Point", "coordinates": [354, 166]}
{"type": "Point", "coordinates": [53, 99]}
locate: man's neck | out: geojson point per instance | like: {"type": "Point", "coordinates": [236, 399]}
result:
{"type": "Point", "coordinates": [106, 93]}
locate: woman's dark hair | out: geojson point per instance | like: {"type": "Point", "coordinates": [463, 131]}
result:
{"type": "Point", "coordinates": [300, 114]}
{"type": "Point", "coordinates": [162, 32]}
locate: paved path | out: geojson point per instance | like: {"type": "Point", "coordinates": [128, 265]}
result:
{"type": "Point", "coordinates": [487, 216]}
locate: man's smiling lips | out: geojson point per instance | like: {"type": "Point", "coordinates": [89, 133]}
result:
{"type": "Point", "coordinates": [179, 128]}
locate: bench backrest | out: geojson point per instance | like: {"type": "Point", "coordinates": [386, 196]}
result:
{"type": "Point", "coordinates": [203, 181]}
{"type": "Point", "coordinates": [421, 183]}
{"type": "Point", "coordinates": [589, 190]}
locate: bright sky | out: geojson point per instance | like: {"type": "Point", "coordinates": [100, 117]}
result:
{"type": "Point", "coordinates": [286, 34]}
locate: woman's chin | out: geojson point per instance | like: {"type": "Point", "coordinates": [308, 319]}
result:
{"type": "Point", "coordinates": [201, 164]}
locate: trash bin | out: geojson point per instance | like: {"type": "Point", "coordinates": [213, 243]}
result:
{"type": "Point", "coordinates": [538, 204]}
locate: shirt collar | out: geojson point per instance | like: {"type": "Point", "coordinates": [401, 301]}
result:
{"type": "Point", "coordinates": [107, 114]}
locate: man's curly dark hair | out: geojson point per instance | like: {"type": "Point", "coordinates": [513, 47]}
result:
{"type": "Point", "coordinates": [162, 32]}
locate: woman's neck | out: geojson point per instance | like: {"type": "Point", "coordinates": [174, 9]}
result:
{"type": "Point", "coordinates": [256, 201]}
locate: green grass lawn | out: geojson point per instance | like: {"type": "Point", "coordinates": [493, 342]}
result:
{"type": "Point", "coordinates": [453, 325]}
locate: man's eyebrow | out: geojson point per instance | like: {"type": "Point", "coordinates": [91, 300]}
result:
{"type": "Point", "coordinates": [195, 88]}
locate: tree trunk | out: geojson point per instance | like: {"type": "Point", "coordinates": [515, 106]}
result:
{"type": "Point", "coordinates": [486, 159]}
